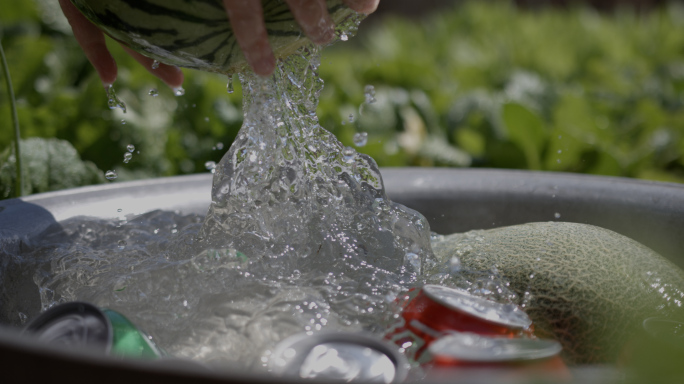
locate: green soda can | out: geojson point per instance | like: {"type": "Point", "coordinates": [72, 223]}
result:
{"type": "Point", "coordinates": [83, 325]}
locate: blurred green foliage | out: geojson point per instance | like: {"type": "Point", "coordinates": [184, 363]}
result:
{"type": "Point", "coordinates": [482, 85]}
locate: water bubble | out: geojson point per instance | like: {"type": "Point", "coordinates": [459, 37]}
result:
{"type": "Point", "coordinates": [153, 92]}
{"type": "Point", "coordinates": [348, 154]}
{"type": "Point", "coordinates": [122, 244]}
{"type": "Point", "coordinates": [369, 93]}
{"type": "Point", "coordinates": [219, 146]}
{"type": "Point", "coordinates": [344, 37]}
{"type": "Point", "coordinates": [130, 148]}
{"type": "Point", "coordinates": [127, 157]}
{"type": "Point", "coordinates": [119, 210]}
{"type": "Point", "coordinates": [560, 151]}
{"type": "Point", "coordinates": [112, 100]}
{"type": "Point", "coordinates": [179, 91]}
{"type": "Point", "coordinates": [229, 86]}
{"type": "Point", "coordinates": [557, 215]}
{"type": "Point", "coordinates": [155, 64]}
{"type": "Point", "coordinates": [360, 139]}
{"type": "Point", "coordinates": [123, 122]}
{"type": "Point", "coordinates": [110, 175]}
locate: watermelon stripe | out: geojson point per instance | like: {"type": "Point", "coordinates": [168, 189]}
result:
{"type": "Point", "coordinates": [113, 21]}
{"type": "Point", "coordinates": [178, 44]}
{"type": "Point", "coordinates": [211, 56]}
{"type": "Point", "coordinates": [153, 9]}
{"type": "Point", "coordinates": [213, 3]}
{"type": "Point", "coordinates": [230, 55]}
{"type": "Point", "coordinates": [272, 32]}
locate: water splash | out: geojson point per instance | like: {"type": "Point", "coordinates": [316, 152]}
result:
{"type": "Point", "coordinates": [291, 197]}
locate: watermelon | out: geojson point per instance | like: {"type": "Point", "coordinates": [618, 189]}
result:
{"type": "Point", "coordinates": [196, 33]}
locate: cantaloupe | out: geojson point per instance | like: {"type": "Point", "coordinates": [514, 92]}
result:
{"type": "Point", "coordinates": [591, 288]}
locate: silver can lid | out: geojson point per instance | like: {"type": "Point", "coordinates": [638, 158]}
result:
{"type": "Point", "coordinates": [339, 356]}
{"type": "Point", "coordinates": [73, 325]}
{"type": "Point", "coordinates": [470, 347]}
{"type": "Point", "coordinates": [509, 315]}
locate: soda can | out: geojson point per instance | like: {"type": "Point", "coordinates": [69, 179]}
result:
{"type": "Point", "coordinates": [83, 325]}
{"type": "Point", "coordinates": [338, 356]}
{"type": "Point", "coordinates": [522, 357]}
{"type": "Point", "coordinates": [437, 310]}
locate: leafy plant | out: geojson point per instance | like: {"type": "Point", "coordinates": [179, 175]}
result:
{"type": "Point", "coordinates": [483, 85]}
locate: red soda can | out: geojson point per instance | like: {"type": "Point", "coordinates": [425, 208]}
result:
{"type": "Point", "coordinates": [467, 353]}
{"type": "Point", "coordinates": [437, 310]}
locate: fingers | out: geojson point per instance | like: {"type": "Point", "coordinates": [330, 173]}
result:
{"type": "Point", "coordinates": [363, 6]}
{"type": "Point", "coordinates": [313, 17]}
{"type": "Point", "coordinates": [247, 20]}
{"type": "Point", "coordinates": [92, 41]}
{"type": "Point", "coordinates": [172, 76]}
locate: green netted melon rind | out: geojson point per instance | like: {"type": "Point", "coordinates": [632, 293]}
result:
{"type": "Point", "coordinates": [195, 34]}
{"type": "Point", "coordinates": [590, 288]}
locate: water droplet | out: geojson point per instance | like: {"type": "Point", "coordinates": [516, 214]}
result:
{"type": "Point", "coordinates": [127, 157]}
{"type": "Point", "coordinates": [153, 92]}
{"type": "Point", "coordinates": [557, 215]}
{"type": "Point", "coordinates": [120, 210]}
{"type": "Point", "coordinates": [560, 151]}
{"type": "Point", "coordinates": [344, 37]}
{"type": "Point", "coordinates": [369, 92]}
{"type": "Point", "coordinates": [123, 122]}
{"type": "Point", "coordinates": [360, 139]}
{"type": "Point", "coordinates": [229, 86]}
{"type": "Point", "coordinates": [22, 317]}
{"type": "Point", "coordinates": [351, 117]}
{"type": "Point", "coordinates": [206, 119]}
{"type": "Point", "coordinates": [122, 244]}
{"type": "Point", "coordinates": [155, 64]}
{"type": "Point", "coordinates": [558, 161]}
{"type": "Point", "coordinates": [179, 91]}
{"type": "Point", "coordinates": [113, 101]}
{"type": "Point", "coordinates": [219, 146]}
{"type": "Point", "coordinates": [348, 154]}
{"type": "Point", "coordinates": [110, 175]}
{"type": "Point", "coordinates": [210, 165]}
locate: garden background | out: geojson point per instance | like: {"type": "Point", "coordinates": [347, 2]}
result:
{"type": "Point", "coordinates": [502, 84]}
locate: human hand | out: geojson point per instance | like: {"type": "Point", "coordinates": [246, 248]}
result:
{"type": "Point", "coordinates": [246, 16]}
{"type": "Point", "coordinates": [92, 41]}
